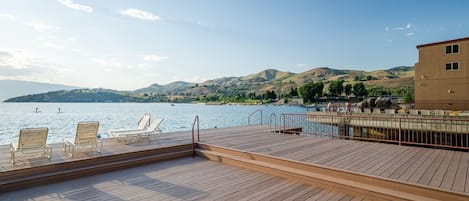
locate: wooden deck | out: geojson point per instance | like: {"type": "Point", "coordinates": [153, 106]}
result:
{"type": "Point", "coordinates": [439, 168]}
{"type": "Point", "coordinates": [444, 169]}
{"type": "Point", "coordinates": [180, 179]}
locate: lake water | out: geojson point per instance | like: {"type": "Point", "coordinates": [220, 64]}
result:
{"type": "Point", "coordinates": [14, 116]}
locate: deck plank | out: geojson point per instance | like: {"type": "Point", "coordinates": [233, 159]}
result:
{"type": "Point", "coordinates": [460, 180]}
{"type": "Point", "coordinates": [450, 175]}
{"type": "Point", "coordinates": [436, 178]}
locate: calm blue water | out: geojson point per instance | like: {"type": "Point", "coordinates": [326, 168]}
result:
{"type": "Point", "coordinates": [14, 116]}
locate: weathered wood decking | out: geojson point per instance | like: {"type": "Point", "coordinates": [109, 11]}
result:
{"type": "Point", "coordinates": [438, 168]}
{"type": "Point", "coordinates": [180, 179]}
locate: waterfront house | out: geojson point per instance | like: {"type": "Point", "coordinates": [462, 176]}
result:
{"type": "Point", "coordinates": [442, 75]}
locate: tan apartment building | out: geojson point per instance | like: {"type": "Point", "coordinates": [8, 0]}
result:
{"type": "Point", "coordinates": [442, 75]}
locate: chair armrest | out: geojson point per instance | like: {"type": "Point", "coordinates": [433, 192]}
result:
{"type": "Point", "coordinates": [14, 146]}
{"type": "Point", "coordinates": [68, 141]}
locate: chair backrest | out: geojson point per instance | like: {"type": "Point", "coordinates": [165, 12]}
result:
{"type": "Point", "coordinates": [155, 124]}
{"type": "Point", "coordinates": [87, 132]}
{"type": "Point", "coordinates": [144, 122]}
{"type": "Point", "coordinates": [32, 138]}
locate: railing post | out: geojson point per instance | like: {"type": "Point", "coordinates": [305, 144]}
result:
{"type": "Point", "coordinates": [284, 121]}
{"type": "Point", "coordinates": [400, 131]}
{"type": "Point", "coordinates": [261, 117]}
{"type": "Point", "coordinates": [331, 135]}
{"type": "Point", "coordinates": [193, 143]}
{"type": "Point", "coordinates": [249, 117]}
{"type": "Point", "coordinates": [275, 122]}
{"type": "Point", "coordinates": [196, 120]}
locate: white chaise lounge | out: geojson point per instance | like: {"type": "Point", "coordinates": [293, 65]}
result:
{"type": "Point", "coordinates": [86, 135]}
{"type": "Point", "coordinates": [31, 141]}
{"type": "Point", "coordinates": [135, 135]}
{"type": "Point", "coordinates": [121, 135]}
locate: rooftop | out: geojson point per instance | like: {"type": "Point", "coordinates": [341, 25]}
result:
{"type": "Point", "coordinates": [442, 42]}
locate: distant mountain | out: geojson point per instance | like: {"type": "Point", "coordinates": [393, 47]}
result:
{"type": "Point", "coordinates": [173, 87]}
{"type": "Point", "coordinates": [270, 79]}
{"type": "Point", "coordinates": [267, 75]}
{"type": "Point", "coordinates": [81, 95]}
{"type": "Point", "coordinates": [14, 88]}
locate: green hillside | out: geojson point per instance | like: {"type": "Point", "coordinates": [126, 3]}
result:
{"type": "Point", "coordinates": [268, 80]}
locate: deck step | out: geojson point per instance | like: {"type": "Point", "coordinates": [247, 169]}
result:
{"type": "Point", "coordinates": [29, 177]}
{"type": "Point", "coordinates": [375, 188]}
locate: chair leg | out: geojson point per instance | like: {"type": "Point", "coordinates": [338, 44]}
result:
{"type": "Point", "coordinates": [73, 149]}
{"type": "Point", "coordinates": [12, 157]}
{"type": "Point", "coordinates": [100, 146]}
{"type": "Point", "coordinates": [49, 153]}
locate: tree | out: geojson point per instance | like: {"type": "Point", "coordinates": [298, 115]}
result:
{"type": "Point", "coordinates": [270, 95]}
{"type": "Point", "coordinates": [311, 90]}
{"type": "Point", "coordinates": [408, 97]}
{"type": "Point", "coordinates": [336, 87]}
{"type": "Point", "coordinates": [359, 90]}
{"type": "Point", "coordinates": [378, 91]}
{"type": "Point", "coordinates": [356, 78]}
{"type": "Point", "coordinates": [293, 91]}
{"type": "Point", "coordinates": [348, 89]}
{"type": "Point", "coordinates": [252, 95]}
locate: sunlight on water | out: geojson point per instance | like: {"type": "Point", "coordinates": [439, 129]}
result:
{"type": "Point", "coordinates": [14, 116]}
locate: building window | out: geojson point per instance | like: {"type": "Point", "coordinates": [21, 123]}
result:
{"type": "Point", "coordinates": [448, 49]}
{"type": "Point", "coordinates": [452, 66]}
{"type": "Point", "coordinates": [455, 48]}
{"type": "Point", "coordinates": [448, 66]}
{"type": "Point", "coordinates": [456, 66]}
{"type": "Point", "coordinates": [451, 49]}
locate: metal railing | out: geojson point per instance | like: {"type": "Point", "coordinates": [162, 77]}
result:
{"type": "Point", "coordinates": [274, 122]}
{"type": "Point", "coordinates": [252, 114]}
{"type": "Point", "coordinates": [448, 131]}
{"type": "Point", "coordinates": [196, 120]}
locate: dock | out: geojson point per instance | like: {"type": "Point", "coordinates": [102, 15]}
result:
{"type": "Point", "coordinates": [241, 163]}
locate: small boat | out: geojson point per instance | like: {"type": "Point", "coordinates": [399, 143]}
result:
{"type": "Point", "coordinates": [173, 105]}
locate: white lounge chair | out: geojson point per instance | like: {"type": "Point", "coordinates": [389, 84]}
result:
{"type": "Point", "coordinates": [31, 140]}
{"type": "Point", "coordinates": [142, 124]}
{"type": "Point", "coordinates": [145, 133]}
{"type": "Point", "coordinates": [86, 135]}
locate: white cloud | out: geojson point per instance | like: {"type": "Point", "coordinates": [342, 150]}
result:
{"type": "Point", "coordinates": [152, 57]}
{"type": "Point", "coordinates": [405, 27]}
{"type": "Point", "coordinates": [54, 45]}
{"type": "Point", "coordinates": [140, 14]}
{"type": "Point", "coordinates": [111, 63]}
{"type": "Point", "coordinates": [76, 6]}
{"type": "Point", "coordinates": [8, 16]}
{"type": "Point", "coordinates": [42, 27]}
{"type": "Point", "coordinates": [76, 50]}
{"type": "Point", "coordinates": [72, 39]}
{"type": "Point", "coordinates": [398, 28]}
{"type": "Point", "coordinates": [18, 62]}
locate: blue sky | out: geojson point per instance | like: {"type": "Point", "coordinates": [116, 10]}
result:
{"type": "Point", "coordinates": [132, 44]}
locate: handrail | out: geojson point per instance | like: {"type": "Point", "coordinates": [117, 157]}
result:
{"type": "Point", "coordinates": [275, 122]}
{"type": "Point", "coordinates": [282, 121]}
{"type": "Point", "coordinates": [196, 120]}
{"type": "Point", "coordinates": [249, 117]}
